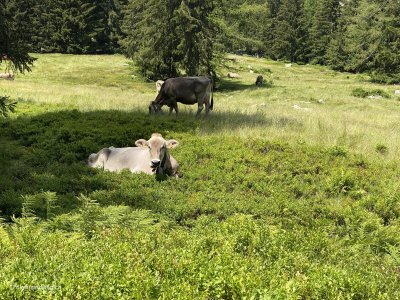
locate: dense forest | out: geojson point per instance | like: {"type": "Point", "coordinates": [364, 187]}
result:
{"type": "Point", "coordinates": [171, 37]}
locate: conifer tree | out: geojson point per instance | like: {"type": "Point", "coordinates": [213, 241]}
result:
{"type": "Point", "coordinates": [386, 63]}
{"type": "Point", "coordinates": [290, 32]}
{"type": "Point", "coordinates": [271, 33]}
{"type": "Point", "coordinates": [194, 32]}
{"type": "Point", "coordinates": [243, 25]}
{"type": "Point", "coordinates": [322, 29]}
{"type": "Point", "coordinates": [166, 38]}
{"type": "Point", "coordinates": [14, 31]}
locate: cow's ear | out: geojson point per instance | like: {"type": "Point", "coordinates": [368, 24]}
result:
{"type": "Point", "coordinates": [141, 143]}
{"type": "Point", "coordinates": [172, 144]}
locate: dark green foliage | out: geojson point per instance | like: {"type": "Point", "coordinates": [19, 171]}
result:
{"type": "Point", "coordinates": [243, 26]}
{"type": "Point", "coordinates": [290, 32]}
{"type": "Point", "coordinates": [78, 26]}
{"type": "Point", "coordinates": [362, 93]}
{"type": "Point", "coordinates": [6, 106]}
{"type": "Point", "coordinates": [382, 149]}
{"type": "Point", "coordinates": [368, 40]}
{"type": "Point", "coordinates": [220, 176]}
{"type": "Point", "coordinates": [15, 29]}
{"type": "Point", "coordinates": [386, 62]}
{"type": "Point", "coordinates": [168, 38]}
{"type": "Point", "coordinates": [323, 26]}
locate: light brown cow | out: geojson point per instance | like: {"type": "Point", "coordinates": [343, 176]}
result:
{"type": "Point", "coordinates": [149, 157]}
{"type": "Point", "coordinates": [233, 75]}
{"type": "Point", "coordinates": [7, 76]}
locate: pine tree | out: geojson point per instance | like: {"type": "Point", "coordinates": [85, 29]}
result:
{"type": "Point", "coordinates": [76, 26]}
{"type": "Point", "coordinates": [271, 33]}
{"type": "Point", "coordinates": [195, 31]}
{"type": "Point", "coordinates": [243, 25]}
{"type": "Point", "coordinates": [290, 33]}
{"type": "Point", "coordinates": [149, 37]}
{"type": "Point", "coordinates": [386, 63]}
{"type": "Point", "coordinates": [336, 55]}
{"type": "Point", "coordinates": [15, 28]}
{"type": "Point", "coordinates": [170, 37]}
{"type": "Point", "coordinates": [322, 28]}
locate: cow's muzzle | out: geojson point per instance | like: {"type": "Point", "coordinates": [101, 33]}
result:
{"type": "Point", "coordinates": [155, 163]}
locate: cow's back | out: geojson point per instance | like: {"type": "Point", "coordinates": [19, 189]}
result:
{"type": "Point", "coordinates": [136, 159]}
{"type": "Point", "coordinates": [186, 89]}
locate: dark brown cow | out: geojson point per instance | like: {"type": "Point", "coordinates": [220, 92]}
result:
{"type": "Point", "coordinates": [259, 80]}
{"type": "Point", "coordinates": [186, 90]}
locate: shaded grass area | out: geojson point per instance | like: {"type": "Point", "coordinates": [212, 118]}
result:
{"type": "Point", "coordinates": [51, 148]}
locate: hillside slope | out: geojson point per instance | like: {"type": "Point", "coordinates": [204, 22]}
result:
{"type": "Point", "coordinates": [288, 191]}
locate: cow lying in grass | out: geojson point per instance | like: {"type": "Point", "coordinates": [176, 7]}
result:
{"type": "Point", "coordinates": [7, 76]}
{"type": "Point", "coordinates": [149, 157]}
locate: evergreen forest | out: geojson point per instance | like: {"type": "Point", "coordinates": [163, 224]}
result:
{"type": "Point", "coordinates": [167, 38]}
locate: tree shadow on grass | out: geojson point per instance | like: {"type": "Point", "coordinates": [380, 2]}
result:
{"type": "Point", "coordinates": [48, 152]}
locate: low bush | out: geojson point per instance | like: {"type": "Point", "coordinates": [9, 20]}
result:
{"type": "Point", "coordinates": [362, 93]}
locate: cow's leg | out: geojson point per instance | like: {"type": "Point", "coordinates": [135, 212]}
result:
{"type": "Point", "coordinates": [200, 108]}
{"type": "Point", "coordinates": [208, 105]}
{"type": "Point", "coordinates": [207, 109]}
{"type": "Point", "coordinates": [171, 108]}
{"type": "Point", "coordinates": [176, 107]}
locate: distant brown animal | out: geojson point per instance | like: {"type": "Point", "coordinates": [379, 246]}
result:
{"type": "Point", "coordinates": [7, 76]}
{"type": "Point", "coordinates": [259, 80]}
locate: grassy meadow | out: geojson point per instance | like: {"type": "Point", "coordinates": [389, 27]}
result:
{"type": "Point", "coordinates": [289, 190]}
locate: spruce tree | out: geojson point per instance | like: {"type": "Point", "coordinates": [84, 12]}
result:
{"type": "Point", "coordinates": [194, 31]}
{"type": "Point", "coordinates": [166, 38]}
{"type": "Point", "coordinates": [322, 29]}
{"type": "Point", "coordinates": [290, 33]}
{"type": "Point", "coordinates": [15, 28]}
{"type": "Point", "coordinates": [270, 23]}
{"type": "Point", "coordinates": [386, 63]}
{"type": "Point", "coordinates": [243, 25]}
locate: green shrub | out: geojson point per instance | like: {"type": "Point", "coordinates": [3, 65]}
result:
{"type": "Point", "coordinates": [361, 93]}
{"type": "Point", "coordinates": [381, 149]}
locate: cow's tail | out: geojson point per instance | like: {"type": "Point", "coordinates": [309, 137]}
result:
{"type": "Point", "coordinates": [212, 94]}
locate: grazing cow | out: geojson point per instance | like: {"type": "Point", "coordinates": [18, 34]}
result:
{"type": "Point", "coordinates": [150, 157]}
{"type": "Point", "coordinates": [159, 83]}
{"type": "Point", "coordinates": [7, 76]}
{"type": "Point", "coordinates": [186, 90]}
{"type": "Point", "coordinates": [233, 75]}
{"type": "Point", "coordinates": [259, 80]}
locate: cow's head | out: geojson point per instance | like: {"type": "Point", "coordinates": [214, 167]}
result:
{"type": "Point", "coordinates": [158, 148]}
{"type": "Point", "coordinates": [154, 108]}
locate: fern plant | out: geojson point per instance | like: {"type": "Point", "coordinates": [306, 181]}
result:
{"type": "Point", "coordinates": [6, 106]}
{"type": "Point", "coordinates": [91, 214]}
{"type": "Point", "coordinates": [39, 205]}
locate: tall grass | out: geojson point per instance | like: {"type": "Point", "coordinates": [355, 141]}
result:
{"type": "Point", "coordinates": [305, 103]}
